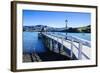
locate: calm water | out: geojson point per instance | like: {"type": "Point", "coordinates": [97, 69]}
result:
{"type": "Point", "coordinates": [86, 36]}
{"type": "Point", "coordinates": [31, 42]}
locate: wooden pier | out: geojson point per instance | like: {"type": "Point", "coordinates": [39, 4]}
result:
{"type": "Point", "coordinates": [72, 47]}
{"type": "Point", "coordinates": [60, 47]}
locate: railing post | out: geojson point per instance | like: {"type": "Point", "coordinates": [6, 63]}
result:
{"type": "Point", "coordinates": [71, 48]}
{"type": "Point", "coordinates": [80, 51]}
{"type": "Point", "coordinates": [53, 45]}
{"type": "Point", "coordinates": [61, 45]}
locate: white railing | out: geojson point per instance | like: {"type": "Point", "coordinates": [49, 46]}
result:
{"type": "Point", "coordinates": [75, 44]}
{"type": "Point", "coordinates": [74, 38]}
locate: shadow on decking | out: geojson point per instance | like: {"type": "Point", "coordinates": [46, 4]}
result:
{"type": "Point", "coordinates": [51, 56]}
{"type": "Point", "coordinates": [45, 56]}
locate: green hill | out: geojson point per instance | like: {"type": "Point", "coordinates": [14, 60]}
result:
{"type": "Point", "coordinates": [85, 29]}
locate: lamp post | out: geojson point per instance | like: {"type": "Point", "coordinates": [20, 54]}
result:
{"type": "Point", "coordinates": [66, 21]}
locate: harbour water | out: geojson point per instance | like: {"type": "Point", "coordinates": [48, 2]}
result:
{"type": "Point", "coordinates": [31, 43]}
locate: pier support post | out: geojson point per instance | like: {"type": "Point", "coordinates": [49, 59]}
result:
{"type": "Point", "coordinates": [51, 48]}
{"type": "Point", "coordinates": [48, 42]}
{"type": "Point", "coordinates": [59, 48]}
{"type": "Point", "coordinates": [56, 47]}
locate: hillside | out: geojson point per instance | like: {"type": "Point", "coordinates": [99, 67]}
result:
{"type": "Point", "coordinates": [86, 29]}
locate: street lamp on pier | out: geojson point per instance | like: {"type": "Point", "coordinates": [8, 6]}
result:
{"type": "Point", "coordinates": [66, 21]}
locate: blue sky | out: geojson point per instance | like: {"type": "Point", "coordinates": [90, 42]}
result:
{"type": "Point", "coordinates": [55, 19]}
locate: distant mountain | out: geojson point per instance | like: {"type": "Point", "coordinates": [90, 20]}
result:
{"type": "Point", "coordinates": [86, 29]}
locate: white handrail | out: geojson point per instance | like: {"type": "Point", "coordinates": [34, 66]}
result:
{"type": "Point", "coordinates": [72, 39]}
